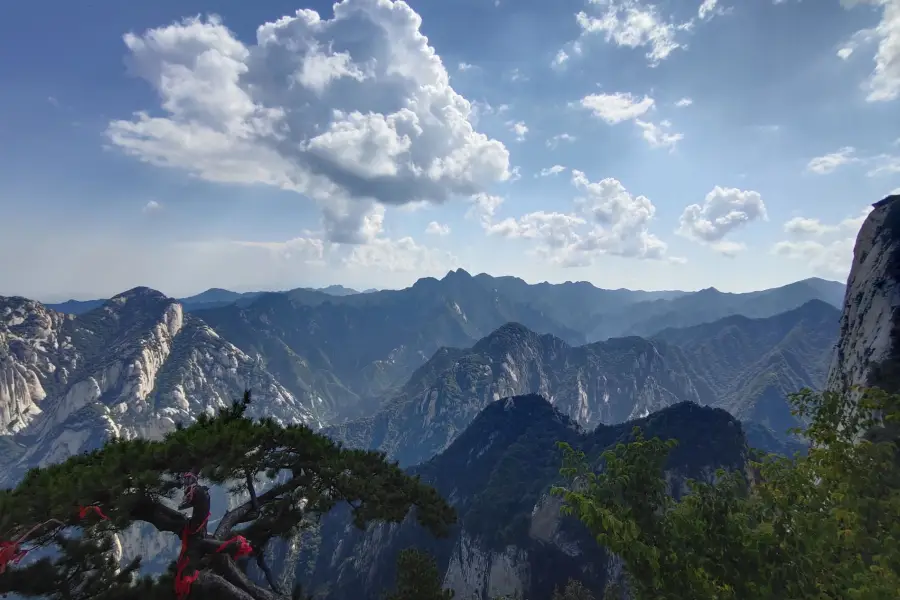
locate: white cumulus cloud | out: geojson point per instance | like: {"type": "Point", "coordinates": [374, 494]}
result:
{"type": "Point", "coordinates": [830, 253]}
{"type": "Point", "coordinates": [606, 219]}
{"type": "Point", "coordinates": [554, 141]}
{"type": "Point", "coordinates": [884, 82]}
{"type": "Point", "coordinates": [548, 171]}
{"type": "Point", "coordinates": [723, 211]}
{"type": "Point", "coordinates": [828, 259]}
{"type": "Point", "coordinates": [151, 206]}
{"type": "Point", "coordinates": [483, 208]}
{"type": "Point", "coordinates": [400, 255]}
{"type": "Point", "coordinates": [560, 59]}
{"type": "Point", "coordinates": [659, 136]}
{"type": "Point", "coordinates": [622, 106]}
{"type": "Point", "coordinates": [435, 228]}
{"type": "Point", "coordinates": [519, 128]}
{"type": "Point", "coordinates": [822, 165]}
{"type": "Point", "coordinates": [352, 111]}
{"type": "Point", "coordinates": [632, 24]}
{"type": "Point", "coordinates": [618, 107]}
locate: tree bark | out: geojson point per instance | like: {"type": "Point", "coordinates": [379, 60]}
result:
{"type": "Point", "coordinates": [218, 570]}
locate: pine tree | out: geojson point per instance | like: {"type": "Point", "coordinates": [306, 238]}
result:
{"type": "Point", "coordinates": [76, 506]}
{"type": "Point", "coordinates": [418, 578]}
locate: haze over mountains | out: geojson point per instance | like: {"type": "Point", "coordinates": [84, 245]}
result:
{"type": "Point", "coordinates": [422, 374]}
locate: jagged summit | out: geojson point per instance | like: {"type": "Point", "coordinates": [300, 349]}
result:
{"type": "Point", "coordinates": [457, 273]}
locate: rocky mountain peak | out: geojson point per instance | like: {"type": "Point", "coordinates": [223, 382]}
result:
{"type": "Point", "coordinates": [140, 293]}
{"type": "Point", "coordinates": [868, 352]}
{"type": "Point", "coordinates": [511, 339]}
{"type": "Point", "coordinates": [458, 274]}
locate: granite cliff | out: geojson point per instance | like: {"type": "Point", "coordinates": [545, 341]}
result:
{"type": "Point", "coordinates": [133, 367]}
{"type": "Point", "coordinates": [868, 352]}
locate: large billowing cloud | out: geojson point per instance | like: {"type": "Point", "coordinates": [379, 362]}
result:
{"type": "Point", "coordinates": [352, 111]}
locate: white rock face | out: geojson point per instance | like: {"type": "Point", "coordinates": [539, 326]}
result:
{"type": "Point", "coordinates": [132, 368]}
{"type": "Point", "coordinates": [474, 573]}
{"type": "Point", "coordinates": [33, 356]}
{"type": "Point", "coordinates": [872, 304]}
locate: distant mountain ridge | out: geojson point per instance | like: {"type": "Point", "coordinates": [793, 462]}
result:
{"type": "Point", "coordinates": [598, 313]}
{"type": "Point", "coordinates": [211, 298]}
{"type": "Point", "coordinates": [747, 366]}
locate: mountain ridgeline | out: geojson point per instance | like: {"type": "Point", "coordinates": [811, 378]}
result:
{"type": "Point", "coordinates": [400, 370]}
{"type": "Point", "coordinates": [424, 374]}
{"type": "Point", "coordinates": [747, 366]}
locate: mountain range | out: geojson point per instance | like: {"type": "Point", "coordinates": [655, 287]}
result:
{"type": "Point", "coordinates": [747, 366]}
{"type": "Point", "coordinates": [422, 374]}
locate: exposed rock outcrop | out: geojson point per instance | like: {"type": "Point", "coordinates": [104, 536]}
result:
{"type": "Point", "coordinates": [868, 352]}
{"type": "Point", "coordinates": [132, 368]}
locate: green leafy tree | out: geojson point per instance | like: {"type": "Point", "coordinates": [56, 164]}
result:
{"type": "Point", "coordinates": [76, 506]}
{"type": "Point", "coordinates": [418, 578]}
{"type": "Point", "coordinates": [823, 526]}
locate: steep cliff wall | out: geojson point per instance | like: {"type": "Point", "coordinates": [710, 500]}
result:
{"type": "Point", "coordinates": [868, 351]}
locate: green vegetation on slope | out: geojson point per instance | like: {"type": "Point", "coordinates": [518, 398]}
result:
{"type": "Point", "coordinates": [823, 526]}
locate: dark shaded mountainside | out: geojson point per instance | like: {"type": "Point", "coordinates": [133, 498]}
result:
{"type": "Point", "coordinates": [747, 366]}
{"type": "Point", "coordinates": [510, 538]}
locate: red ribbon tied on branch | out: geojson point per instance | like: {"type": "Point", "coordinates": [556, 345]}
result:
{"type": "Point", "coordinates": [84, 510]}
{"type": "Point", "coordinates": [10, 553]}
{"type": "Point", "coordinates": [183, 582]}
{"type": "Point", "coordinates": [243, 546]}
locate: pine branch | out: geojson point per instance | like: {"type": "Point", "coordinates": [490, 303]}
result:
{"type": "Point", "coordinates": [264, 567]}
{"type": "Point", "coordinates": [246, 511]}
{"type": "Point", "coordinates": [159, 515]}
{"type": "Point", "coordinates": [227, 568]}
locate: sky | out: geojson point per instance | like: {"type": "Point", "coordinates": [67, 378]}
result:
{"type": "Point", "coordinates": [189, 144]}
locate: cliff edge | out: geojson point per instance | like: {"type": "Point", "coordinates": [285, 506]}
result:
{"type": "Point", "coordinates": [868, 349]}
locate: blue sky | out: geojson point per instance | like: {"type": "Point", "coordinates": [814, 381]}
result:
{"type": "Point", "coordinates": [268, 145]}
